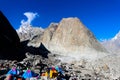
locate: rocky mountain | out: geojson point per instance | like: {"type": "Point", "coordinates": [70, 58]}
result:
{"type": "Point", "coordinates": [70, 38]}
{"type": "Point", "coordinates": [27, 31]}
{"type": "Point", "coordinates": [9, 40]}
{"type": "Point", "coordinates": [113, 44]}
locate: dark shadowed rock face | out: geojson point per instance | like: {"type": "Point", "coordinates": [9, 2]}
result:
{"type": "Point", "coordinates": [9, 40]}
{"type": "Point", "coordinates": [41, 50]}
{"type": "Point", "coordinates": [10, 46]}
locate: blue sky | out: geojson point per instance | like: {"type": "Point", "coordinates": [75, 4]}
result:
{"type": "Point", "coordinates": [102, 17]}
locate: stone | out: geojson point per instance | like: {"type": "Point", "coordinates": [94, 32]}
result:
{"type": "Point", "coordinates": [105, 68]}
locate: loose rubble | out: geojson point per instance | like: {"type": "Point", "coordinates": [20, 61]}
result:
{"type": "Point", "coordinates": [70, 71]}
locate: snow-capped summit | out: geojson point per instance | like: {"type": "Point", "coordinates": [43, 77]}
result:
{"type": "Point", "coordinates": [24, 28]}
{"type": "Point", "coordinates": [113, 44]}
{"type": "Point", "coordinates": [27, 31]}
{"type": "Point", "coordinates": [117, 36]}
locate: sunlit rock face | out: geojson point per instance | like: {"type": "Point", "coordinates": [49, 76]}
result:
{"type": "Point", "coordinates": [70, 37]}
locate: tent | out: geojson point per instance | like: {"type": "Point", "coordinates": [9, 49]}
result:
{"type": "Point", "coordinates": [13, 71]}
{"type": "Point", "coordinates": [59, 69]}
{"type": "Point", "coordinates": [28, 74]}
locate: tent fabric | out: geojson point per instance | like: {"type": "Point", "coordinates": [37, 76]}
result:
{"type": "Point", "coordinates": [58, 69]}
{"type": "Point", "coordinates": [51, 72]}
{"type": "Point", "coordinates": [45, 74]}
{"type": "Point", "coordinates": [13, 71]}
{"type": "Point", "coordinates": [28, 74]}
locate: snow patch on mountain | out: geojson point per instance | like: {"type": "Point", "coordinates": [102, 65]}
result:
{"type": "Point", "coordinates": [117, 36]}
{"type": "Point", "coordinates": [26, 30]}
{"type": "Point", "coordinates": [113, 45]}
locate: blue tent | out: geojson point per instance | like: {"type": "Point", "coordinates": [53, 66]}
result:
{"type": "Point", "coordinates": [28, 74]}
{"type": "Point", "coordinates": [13, 71]}
{"type": "Point", "coordinates": [59, 69]}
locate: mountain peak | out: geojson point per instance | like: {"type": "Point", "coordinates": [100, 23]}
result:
{"type": "Point", "coordinates": [71, 37]}
{"type": "Point", "coordinates": [113, 45]}
{"type": "Point", "coordinates": [27, 31]}
{"type": "Point", "coordinates": [70, 18]}
{"type": "Point", "coordinates": [71, 22]}
{"type": "Point", "coordinates": [24, 28]}
{"type": "Point", "coordinates": [117, 36]}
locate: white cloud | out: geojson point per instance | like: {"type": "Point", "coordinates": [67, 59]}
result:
{"type": "Point", "coordinates": [30, 17]}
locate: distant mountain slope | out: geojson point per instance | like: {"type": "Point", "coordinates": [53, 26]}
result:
{"type": "Point", "coordinates": [113, 45]}
{"type": "Point", "coordinates": [27, 31]}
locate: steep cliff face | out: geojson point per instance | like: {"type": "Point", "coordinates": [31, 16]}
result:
{"type": "Point", "coordinates": [71, 37]}
{"type": "Point", "coordinates": [48, 34]}
{"type": "Point", "coordinates": [71, 32]}
{"type": "Point", "coordinates": [9, 40]}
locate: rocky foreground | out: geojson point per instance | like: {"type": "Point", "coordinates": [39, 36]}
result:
{"type": "Point", "coordinates": [77, 70]}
